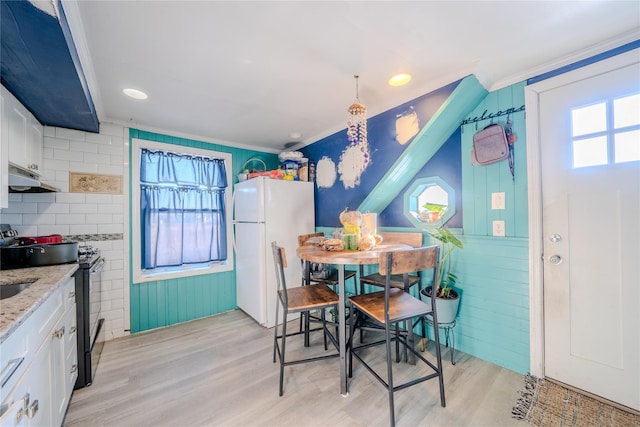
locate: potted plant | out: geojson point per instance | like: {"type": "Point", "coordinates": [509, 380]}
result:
{"type": "Point", "coordinates": [447, 299]}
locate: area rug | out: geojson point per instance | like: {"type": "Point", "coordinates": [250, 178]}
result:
{"type": "Point", "coordinates": [543, 403]}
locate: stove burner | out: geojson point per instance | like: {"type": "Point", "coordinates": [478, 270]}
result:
{"type": "Point", "coordinates": [86, 250]}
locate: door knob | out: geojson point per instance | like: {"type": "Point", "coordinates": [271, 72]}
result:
{"type": "Point", "coordinates": [555, 259]}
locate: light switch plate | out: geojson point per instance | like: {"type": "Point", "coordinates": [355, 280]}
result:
{"type": "Point", "coordinates": [497, 201]}
{"type": "Point", "coordinates": [498, 228]}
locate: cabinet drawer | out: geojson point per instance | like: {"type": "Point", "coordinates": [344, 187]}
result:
{"type": "Point", "coordinates": [21, 346]}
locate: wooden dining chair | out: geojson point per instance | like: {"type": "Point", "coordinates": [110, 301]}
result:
{"type": "Point", "coordinates": [377, 280]}
{"type": "Point", "coordinates": [392, 306]}
{"type": "Point", "coordinates": [298, 300]}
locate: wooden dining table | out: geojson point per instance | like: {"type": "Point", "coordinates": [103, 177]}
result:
{"type": "Point", "coordinates": [314, 253]}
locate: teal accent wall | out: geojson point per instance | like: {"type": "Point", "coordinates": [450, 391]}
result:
{"type": "Point", "coordinates": [167, 302]}
{"type": "Point", "coordinates": [493, 272]}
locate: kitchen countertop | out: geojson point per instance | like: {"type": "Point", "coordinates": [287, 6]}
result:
{"type": "Point", "coordinates": [15, 310]}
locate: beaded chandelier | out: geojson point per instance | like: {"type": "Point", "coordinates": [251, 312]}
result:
{"type": "Point", "coordinates": [357, 123]}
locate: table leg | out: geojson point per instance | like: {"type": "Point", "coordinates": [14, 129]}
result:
{"type": "Point", "coordinates": [342, 331]}
{"type": "Point", "coordinates": [305, 315]}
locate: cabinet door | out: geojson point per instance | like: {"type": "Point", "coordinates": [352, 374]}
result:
{"type": "Point", "coordinates": [24, 133]}
{"type": "Point", "coordinates": [33, 146]}
{"type": "Point", "coordinates": [29, 403]}
{"type": "Point", "coordinates": [16, 119]}
{"type": "Point", "coordinates": [59, 372]}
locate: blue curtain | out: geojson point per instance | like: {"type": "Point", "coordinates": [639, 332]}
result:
{"type": "Point", "coordinates": [182, 209]}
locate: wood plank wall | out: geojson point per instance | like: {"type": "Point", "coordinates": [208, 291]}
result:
{"type": "Point", "coordinates": [493, 321]}
{"type": "Point", "coordinates": [167, 302]}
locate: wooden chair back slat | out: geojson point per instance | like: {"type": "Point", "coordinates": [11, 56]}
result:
{"type": "Point", "coordinates": [411, 239]}
{"type": "Point", "coordinates": [410, 261]}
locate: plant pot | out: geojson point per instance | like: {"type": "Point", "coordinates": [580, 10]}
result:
{"type": "Point", "coordinates": [447, 308]}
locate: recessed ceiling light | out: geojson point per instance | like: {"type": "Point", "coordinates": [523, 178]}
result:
{"type": "Point", "coordinates": [295, 135]}
{"type": "Point", "coordinates": [135, 93]}
{"type": "Point", "coordinates": [399, 79]}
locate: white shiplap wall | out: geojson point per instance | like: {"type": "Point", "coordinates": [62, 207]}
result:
{"type": "Point", "coordinates": [64, 151]}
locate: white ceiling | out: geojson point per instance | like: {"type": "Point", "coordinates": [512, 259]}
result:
{"type": "Point", "coordinates": [253, 72]}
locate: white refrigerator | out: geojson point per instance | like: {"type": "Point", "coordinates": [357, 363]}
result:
{"type": "Point", "coordinates": [267, 210]}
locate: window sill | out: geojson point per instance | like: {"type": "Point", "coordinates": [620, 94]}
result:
{"type": "Point", "coordinates": [141, 276]}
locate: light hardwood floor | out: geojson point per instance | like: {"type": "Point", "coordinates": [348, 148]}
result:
{"type": "Point", "coordinates": [218, 371]}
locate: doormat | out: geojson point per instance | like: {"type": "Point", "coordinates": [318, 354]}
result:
{"type": "Point", "coordinates": [543, 403]}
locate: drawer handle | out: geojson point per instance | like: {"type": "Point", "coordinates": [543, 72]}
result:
{"type": "Point", "coordinates": [74, 368]}
{"type": "Point", "coordinates": [59, 333]}
{"type": "Point", "coordinates": [11, 368]}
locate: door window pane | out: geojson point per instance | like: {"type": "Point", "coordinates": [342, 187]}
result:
{"type": "Point", "coordinates": [589, 119]}
{"type": "Point", "coordinates": [627, 146]}
{"type": "Point", "coordinates": [590, 152]}
{"type": "Point", "coordinates": [626, 111]}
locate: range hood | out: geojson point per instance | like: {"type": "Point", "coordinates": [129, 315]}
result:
{"type": "Point", "coordinates": [25, 181]}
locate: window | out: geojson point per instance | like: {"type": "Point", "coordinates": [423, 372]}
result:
{"type": "Point", "coordinates": [606, 132]}
{"type": "Point", "coordinates": [180, 211]}
{"type": "Point", "coordinates": [429, 202]}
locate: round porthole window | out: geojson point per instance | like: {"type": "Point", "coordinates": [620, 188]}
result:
{"type": "Point", "coordinates": [429, 202]}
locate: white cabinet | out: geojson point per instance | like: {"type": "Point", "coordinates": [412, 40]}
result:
{"type": "Point", "coordinates": [24, 134]}
{"type": "Point", "coordinates": [64, 366]}
{"type": "Point", "coordinates": [38, 363]}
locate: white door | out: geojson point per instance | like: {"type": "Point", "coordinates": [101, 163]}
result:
{"type": "Point", "coordinates": [590, 177]}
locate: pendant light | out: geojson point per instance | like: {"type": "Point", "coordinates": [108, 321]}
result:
{"type": "Point", "coordinates": [357, 123]}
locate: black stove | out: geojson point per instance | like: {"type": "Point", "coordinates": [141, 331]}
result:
{"type": "Point", "coordinates": [88, 255]}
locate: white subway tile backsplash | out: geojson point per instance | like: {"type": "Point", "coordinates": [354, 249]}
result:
{"type": "Point", "coordinates": [83, 229]}
{"type": "Point", "coordinates": [53, 208]}
{"type": "Point", "coordinates": [86, 209]}
{"type": "Point", "coordinates": [71, 156]}
{"type": "Point", "coordinates": [15, 208]}
{"type": "Point", "coordinates": [72, 218]}
{"type": "Point", "coordinates": [110, 228]}
{"type": "Point", "coordinates": [39, 197]}
{"type": "Point", "coordinates": [83, 147]}
{"type": "Point", "coordinates": [110, 149]}
{"type": "Point", "coordinates": [56, 143]}
{"type": "Point", "coordinates": [98, 138]}
{"type": "Point", "coordinates": [39, 219]}
{"type": "Point", "coordinates": [98, 159]}
{"type": "Point", "coordinates": [10, 218]}
{"type": "Point", "coordinates": [82, 167]}
{"type": "Point", "coordinates": [43, 230]}
{"type": "Point", "coordinates": [117, 141]}
{"type": "Point", "coordinates": [56, 164]}
{"type": "Point", "coordinates": [99, 198]}
{"type": "Point", "coordinates": [116, 161]}
{"type": "Point", "coordinates": [69, 134]}
{"type": "Point", "coordinates": [61, 175]}
{"type": "Point", "coordinates": [79, 214]}
{"type": "Point", "coordinates": [99, 219]}
{"type": "Point", "coordinates": [71, 198]}
{"type": "Point", "coordinates": [110, 169]}
{"type": "Point", "coordinates": [111, 129]}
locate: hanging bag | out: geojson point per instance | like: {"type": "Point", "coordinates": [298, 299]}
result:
{"type": "Point", "coordinates": [490, 145]}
